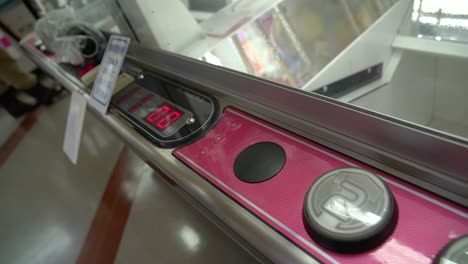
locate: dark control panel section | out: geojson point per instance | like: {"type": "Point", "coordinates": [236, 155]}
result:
{"type": "Point", "coordinates": [166, 112]}
{"type": "Point", "coordinates": [352, 82]}
{"type": "Point", "coordinates": [259, 162]}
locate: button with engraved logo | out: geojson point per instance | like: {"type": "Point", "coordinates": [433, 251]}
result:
{"type": "Point", "coordinates": [456, 252]}
{"type": "Point", "coordinates": [349, 210]}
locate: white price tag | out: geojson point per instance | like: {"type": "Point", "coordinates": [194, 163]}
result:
{"type": "Point", "coordinates": [76, 113]}
{"type": "Point", "coordinates": [108, 72]}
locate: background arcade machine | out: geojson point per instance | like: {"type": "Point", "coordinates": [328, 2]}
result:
{"type": "Point", "coordinates": [269, 143]}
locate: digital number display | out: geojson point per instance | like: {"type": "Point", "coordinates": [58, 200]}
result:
{"type": "Point", "coordinates": [163, 116]}
{"type": "Point", "coordinates": [158, 114]}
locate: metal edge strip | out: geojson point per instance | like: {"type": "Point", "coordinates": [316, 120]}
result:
{"type": "Point", "coordinates": [390, 141]}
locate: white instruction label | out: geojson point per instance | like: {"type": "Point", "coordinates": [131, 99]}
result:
{"type": "Point", "coordinates": [108, 72]}
{"type": "Point", "coordinates": [76, 113]}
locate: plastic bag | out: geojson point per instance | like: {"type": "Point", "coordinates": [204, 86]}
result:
{"type": "Point", "coordinates": [71, 40]}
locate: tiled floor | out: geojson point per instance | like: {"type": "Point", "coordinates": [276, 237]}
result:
{"type": "Point", "coordinates": [162, 224]}
{"type": "Point", "coordinates": [48, 202]}
{"type": "Point", "coordinates": [8, 125]}
{"type": "Point", "coordinates": [51, 208]}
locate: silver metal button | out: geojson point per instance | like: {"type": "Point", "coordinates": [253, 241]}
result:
{"type": "Point", "coordinates": [456, 252]}
{"type": "Point", "coordinates": [349, 210]}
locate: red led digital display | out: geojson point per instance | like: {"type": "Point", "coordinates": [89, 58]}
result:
{"type": "Point", "coordinates": [163, 117]}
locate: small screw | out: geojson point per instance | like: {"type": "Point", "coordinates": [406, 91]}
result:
{"type": "Point", "coordinates": [140, 76]}
{"type": "Point", "coordinates": [191, 120]}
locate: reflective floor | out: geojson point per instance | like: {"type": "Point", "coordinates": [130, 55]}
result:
{"type": "Point", "coordinates": [8, 124]}
{"type": "Point", "coordinates": [109, 208]}
{"type": "Point", "coordinates": [165, 227]}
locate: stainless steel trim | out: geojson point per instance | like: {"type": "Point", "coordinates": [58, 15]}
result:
{"type": "Point", "coordinates": [420, 155]}
{"type": "Point", "coordinates": [274, 246]}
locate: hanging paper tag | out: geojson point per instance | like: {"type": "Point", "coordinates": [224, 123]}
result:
{"type": "Point", "coordinates": [76, 114]}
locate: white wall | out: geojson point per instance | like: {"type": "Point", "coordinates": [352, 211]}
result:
{"type": "Point", "coordinates": [410, 93]}
{"type": "Point", "coordinates": [160, 23]}
{"type": "Point", "coordinates": [379, 100]}
{"type": "Point", "coordinates": [413, 88]}
{"type": "Point", "coordinates": [451, 103]}
{"type": "Point", "coordinates": [426, 89]}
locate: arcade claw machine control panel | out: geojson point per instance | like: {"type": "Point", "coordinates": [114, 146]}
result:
{"type": "Point", "coordinates": [334, 208]}
{"type": "Point", "coordinates": [287, 156]}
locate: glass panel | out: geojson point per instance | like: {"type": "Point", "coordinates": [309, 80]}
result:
{"type": "Point", "coordinates": [428, 86]}
{"type": "Point", "coordinates": [440, 20]}
{"type": "Point", "coordinates": [404, 59]}
{"type": "Point", "coordinates": [302, 37]}
{"type": "Point", "coordinates": [285, 41]}
{"type": "Point", "coordinates": [102, 14]}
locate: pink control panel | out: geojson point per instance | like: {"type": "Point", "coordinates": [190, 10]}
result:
{"type": "Point", "coordinates": [425, 224]}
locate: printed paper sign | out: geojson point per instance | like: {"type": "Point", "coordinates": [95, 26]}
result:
{"type": "Point", "coordinates": [108, 72]}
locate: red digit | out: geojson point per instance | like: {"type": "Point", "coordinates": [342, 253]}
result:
{"type": "Point", "coordinates": [157, 114]}
{"type": "Point", "coordinates": [171, 118]}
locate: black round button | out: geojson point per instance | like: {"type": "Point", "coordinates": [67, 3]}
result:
{"type": "Point", "coordinates": [456, 252]}
{"type": "Point", "coordinates": [259, 162]}
{"type": "Point", "coordinates": [349, 210]}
